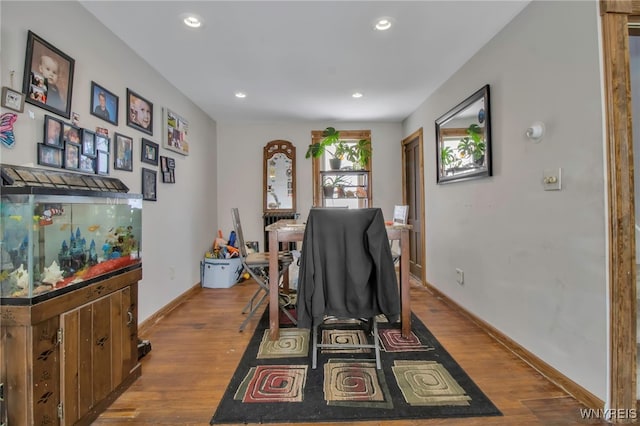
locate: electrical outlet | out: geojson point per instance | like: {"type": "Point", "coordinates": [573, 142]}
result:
{"type": "Point", "coordinates": [459, 276]}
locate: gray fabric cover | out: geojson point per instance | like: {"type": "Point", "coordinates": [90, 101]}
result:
{"type": "Point", "coordinates": [346, 268]}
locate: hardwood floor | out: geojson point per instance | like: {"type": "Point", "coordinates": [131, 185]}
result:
{"type": "Point", "coordinates": [197, 346]}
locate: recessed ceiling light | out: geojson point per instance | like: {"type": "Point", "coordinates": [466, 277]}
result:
{"type": "Point", "coordinates": [357, 95]}
{"type": "Point", "coordinates": [241, 95]}
{"type": "Point", "coordinates": [383, 24]}
{"type": "Point", "coordinates": [192, 21]}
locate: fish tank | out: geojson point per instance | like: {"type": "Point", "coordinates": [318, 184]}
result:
{"type": "Point", "coordinates": [62, 231]}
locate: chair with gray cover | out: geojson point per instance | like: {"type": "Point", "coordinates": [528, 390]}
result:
{"type": "Point", "coordinates": [346, 272]}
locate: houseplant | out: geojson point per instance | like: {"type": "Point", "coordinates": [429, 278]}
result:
{"type": "Point", "coordinates": [448, 159]}
{"type": "Point", "coordinates": [358, 153]}
{"type": "Point", "coordinates": [473, 145]}
{"type": "Point", "coordinates": [330, 183]}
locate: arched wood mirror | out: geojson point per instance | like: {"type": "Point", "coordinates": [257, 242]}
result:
{"type": "Point", "coordinates": [279, 177]}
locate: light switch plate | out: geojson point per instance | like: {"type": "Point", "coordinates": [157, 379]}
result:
{"type": "Point", "coordinates": [552, 180]}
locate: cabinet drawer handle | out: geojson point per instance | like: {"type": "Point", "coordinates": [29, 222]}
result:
{"type": "Point", "coordinates": [130, 315]}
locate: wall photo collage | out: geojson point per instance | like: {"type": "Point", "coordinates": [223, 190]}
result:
{"type": "Point", "coordinates": [48, 84]}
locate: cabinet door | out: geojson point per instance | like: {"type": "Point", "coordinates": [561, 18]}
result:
{"type": "Point", "coordinates": [97, 350]}
{"type": "Point", "coordinates": [45, 356]}
{"type": "Point", "coordinates": [124, 312]}
{"type": "Point", "coordinates": [30, 358]}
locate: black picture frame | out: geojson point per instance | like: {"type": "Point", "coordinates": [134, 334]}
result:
{"type": "Point", "coordinates": [53, 132]}
{"type": "Point", "coordinates": [89, 143]}
{"type": "Point", "coordinates": [107, 112]}
{"type": "Point", "coordinates": [463, 140]}
{"type": "Point", "coordinates": [43, 88]}
{"type": "Point", "coordinates": [122, 152]}
{"type": "Point", "coordinates": [12, 99]}
{"type": "Point", "coordinates": [102, 143]}
{"type": "Point", "coordinates": [149, 152]}
{"type": "Point", "coordinates": [72, 156]}
{"type": "Point", "coordinates": [87, 164]}
{"type": "Point", "coordinates": [139, 112]}
{"type": "Point", "coordinates": [149, 185]}
{"type": "Point", "coordinates": [71, 133]}
{"type": "Point", "coordinates": [102, 163]}
{"type": "Point", "coordinates": [167, 167]}
{"type": "Point", "coordinates": [49, 156]}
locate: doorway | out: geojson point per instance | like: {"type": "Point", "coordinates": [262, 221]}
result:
{"type": "Point", "coordinates": [615, 17]}
{"type": "Point", "coordinates": [413, 196]}
{"type": "Point", "coordinates": [634, 63]}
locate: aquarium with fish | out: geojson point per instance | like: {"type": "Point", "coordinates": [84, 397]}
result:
{"type": "Point", "coordinates": [61, 231]}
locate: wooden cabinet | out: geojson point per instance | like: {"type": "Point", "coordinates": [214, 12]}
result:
{"type": "Point", "coordinates": [64, 360]}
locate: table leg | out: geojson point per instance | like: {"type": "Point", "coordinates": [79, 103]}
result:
{"type": "Point", "coordinates": [274, 323]}
{"type": "Point", "coordinates": [405, 300]}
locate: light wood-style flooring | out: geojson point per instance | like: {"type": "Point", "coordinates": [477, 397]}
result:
{"type": "Point", "coordinates": [197, 346]}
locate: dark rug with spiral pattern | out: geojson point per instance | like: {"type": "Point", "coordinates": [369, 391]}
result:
{"type": "Point", "coordinates": [275, 383]}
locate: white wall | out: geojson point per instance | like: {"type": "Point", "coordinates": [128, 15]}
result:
{"type": "Point", "coordinates": [239, 168]}
{"type": "Point", "coordinates": [179, 227]}
{"type": "Point", "coordinates": [534, 261]}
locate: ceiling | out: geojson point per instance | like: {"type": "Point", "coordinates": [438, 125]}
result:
{"type": "Point", "coordinates": [302, 60]}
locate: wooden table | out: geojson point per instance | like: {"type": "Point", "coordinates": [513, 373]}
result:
{"type": "Point", "coordinates": [290, 230]}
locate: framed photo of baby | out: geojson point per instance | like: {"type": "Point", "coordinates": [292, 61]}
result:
{"type": "Point", "coordinates": [139, 112]}
{"type": "Point", "coordinates": [48, 76]}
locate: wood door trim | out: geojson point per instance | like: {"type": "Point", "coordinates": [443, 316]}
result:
{"type": "Point", "coordinates": [621, 213]}
{"type": "Point", "coordinates": [420, 173]}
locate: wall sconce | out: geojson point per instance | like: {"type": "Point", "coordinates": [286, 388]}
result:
{"type": "Point", "coordinates": [535, 133]}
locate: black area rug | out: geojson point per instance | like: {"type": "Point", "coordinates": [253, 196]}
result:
{"type": "Point", "coordinates": [275, 383]}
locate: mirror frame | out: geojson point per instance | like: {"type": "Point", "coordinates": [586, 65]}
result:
{"type": "Point", "coordinates": [464, 166]}
{"type": "Point", "coordinates": [270, 149]}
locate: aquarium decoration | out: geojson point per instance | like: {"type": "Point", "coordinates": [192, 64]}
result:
{"type": "Point", "coordinates": [52, 275]}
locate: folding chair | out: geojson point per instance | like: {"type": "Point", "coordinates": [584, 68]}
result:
{"type": "Point", "coordinates": [346, 272]}
{"type": "Point", "coordinates": [257, 265]}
